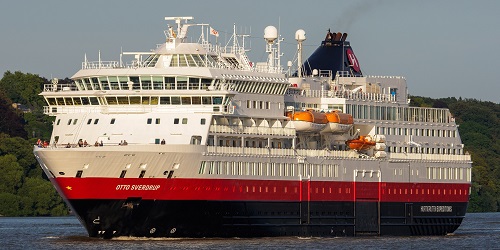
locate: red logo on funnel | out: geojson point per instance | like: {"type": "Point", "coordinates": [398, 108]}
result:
{"type": "Point", "coordinates": [353, 61]}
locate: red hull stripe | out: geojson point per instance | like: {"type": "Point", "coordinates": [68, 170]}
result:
{"type": "Point", "coordinates": [258, 190]}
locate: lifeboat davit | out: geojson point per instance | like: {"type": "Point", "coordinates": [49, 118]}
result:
{"type": "Point", "coordinates": [361, 143]}
{"type": "Point", "coordinates": [338, 122]}
{"type": "Point", "coordinates": [308, 121]}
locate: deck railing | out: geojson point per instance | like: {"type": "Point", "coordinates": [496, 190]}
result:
{"type": "Point", "coordinates": [281, 152]}
{"type": "Point", "coordinates": [233, 129]}
{"type": "Point", "coordinates": [429, 157]}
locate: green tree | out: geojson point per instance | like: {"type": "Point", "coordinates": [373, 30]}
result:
{"type": "Point", "coordinates": [10, 120]}
{"type": "Point", "coordinates": [12, 174]}
{"type": "Point", "coordinates": [21, 149]}
{"type": "Point", "coordinates": [42, 194]}
{"type": "Point", "coordinates": [10, 205]}
{"type": "Point", "coordinates": [23, 88]}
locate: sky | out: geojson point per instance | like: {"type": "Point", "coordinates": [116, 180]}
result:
{"type": "Point", "coordinates": [444, 48]}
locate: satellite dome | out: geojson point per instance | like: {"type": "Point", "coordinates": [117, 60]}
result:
{"type": "Point", "coordinates": [270, 34]}
{"type": "Point", "coordinates": [300, 35]}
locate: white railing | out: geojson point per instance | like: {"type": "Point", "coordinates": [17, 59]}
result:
{"type": "Point", "coordinates": [430, 157]}
{"type": "Point", "coordinates": [59, 87]}
{"type": "Point", "coordinates": [281, 152]}
{"type": "Point", "coordinates": [54, 110]}
{"type": "Point", "coordinates": [101, 65]}
{"type": "Point", "coordinates": [232, 129]}
{"type": "Point", "coordinates": [109, 109]}
{"type": "Point", "coordinates": [350, 95]}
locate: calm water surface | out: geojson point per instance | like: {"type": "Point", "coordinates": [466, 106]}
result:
{"type": "Point", "coordinates": [478, 231]}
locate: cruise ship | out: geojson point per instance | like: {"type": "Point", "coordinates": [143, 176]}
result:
{"type": "Point", "coordinates": [193, 139]}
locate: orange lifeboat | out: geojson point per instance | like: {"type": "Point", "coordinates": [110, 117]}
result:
{"type": "Point", "coordinates": [308, 121]}
{"type": "Point", "coordinates": [338, 122]}
{"type": "Point", "coordinates": [361, 143]}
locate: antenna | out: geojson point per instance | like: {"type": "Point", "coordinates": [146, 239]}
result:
{"type": "Point", "coordinates": [300, 36]}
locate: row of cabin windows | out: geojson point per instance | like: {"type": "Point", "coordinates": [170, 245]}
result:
{"type": "Point", "coordinates": [416, 132]}
{"type": "Point", "coordinates": [192, 60]}
{"type": "Point", "coordinates": [262, 143]}
{"type": "Point", "coordinates": [177, 83]}
{"type": "Point", "coordinates": [268, 169]}
{"type": "Point", "coordinates": [140, 100]}
{"type": "Point", "coordinates": [258, 104]}
{"type": "Point", "coordinates": [425, 191]}
{"type": "Point", "coordinates": [408, 114]}
{"type": "Point", "coordinates": [425, 150]}
{"type": "Point", "coordinates": [443, 173]}
{"type": "Point", "coordinates": [144, 83]}
{"type": "Point", "coordinates": [113, 120]}
{"type": "Point", "coordinates": [89, 121]}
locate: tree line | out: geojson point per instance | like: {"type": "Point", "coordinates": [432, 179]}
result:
{"type": "Point", "coordinates": [26, 191]}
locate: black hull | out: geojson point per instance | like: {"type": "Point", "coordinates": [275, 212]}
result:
{"type": "Point", "coordinates": [148, 218]}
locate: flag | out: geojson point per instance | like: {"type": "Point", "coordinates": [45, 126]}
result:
{"type": "Point", "coordinates": [214, 32]}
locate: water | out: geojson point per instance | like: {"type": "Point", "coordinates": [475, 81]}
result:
{"type": "Point", "coordinates": [478, 231]}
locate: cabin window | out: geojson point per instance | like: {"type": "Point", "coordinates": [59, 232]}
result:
{"type": "Point", "coordinates": [122, 100]}
{"type": "Point", "coordinates": [157, 82]}
{"type": "Point", "coordinates": [203, 121]}
{"type": "Point", "coordinates": [196, 100]}
{"type": "Point", "coordinates": [77, 101]}
{"type": "Point", "coordinates": [175, 100]}
{"type": "Point", "coordinates": [176, 121]}
{"type": "Point", "coordinates": [68, 100]}
{"type": "Point", "coordinates": [111, 100]}
{"type": "Point", "coordinates": [196, 140]}
{"type": "Point", "coordinates": [75, 121]}
{"type": "Point", "coordinates": [104, 82]}
{"type": "Point", "coordinates": [85, 101]}
{"type": "Point", "coordinates": [150, 120]}
{"type": "Point", "coordinates": [169, 82]}
{"type": "Point", "coordinates": [186, 100]}
{"type": "Point", "coordinates": [79, 173]}
{"type": "Point", "coordinates": [122, 175]}
{"type": "Point", "coordinates": [136, 83]}
{"type": "Point", "coordinates": [182, 83]}
{"type": "Point", "coordinates": [145, 100]}
{"type": "Point", "coordinates": [194, 83]}
{"type": "Point", "coordinates": [89, 121]}
{"type": "Point", "coordinates": [205, 83]}
{"type": "Point", "coordinates": [112, 121]}
{"type": "Point", "coordinates": [58, 121]}
{"type": "Point", "coordinates": [146, 82]}
{"type": "Point", "coordinates": [165, 100]}
{"type": "Point", "coordinates": [51, 101]}
{"type": "Point", "coordinates": [135, 99]}
{"type": "Point", "coordinates": [206, 100]}
{"type": "Point", "coordinates": [217, 100]}
{"type": "Point", "coordinates": [154, 100]}
{"type": "Point", "coordinates": [184, 120]}
{"type": "Point", "coordinates": [69, 121]}
{"type": "Point", "coordinates": [96, 121]}
{"type": "Point", "coordinates": [93, 101]}
{"type": "Point", "coordinates": [157, 121]}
